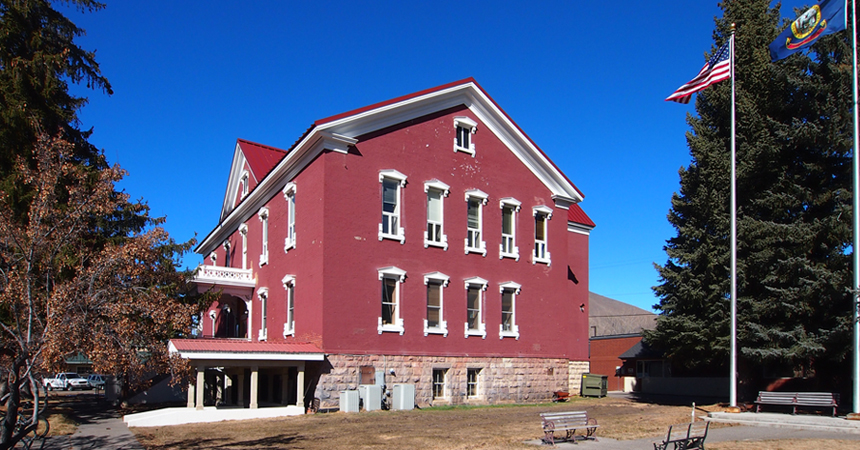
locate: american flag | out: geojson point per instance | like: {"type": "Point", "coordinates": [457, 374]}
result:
{"type": "Point", "coordinates": [717, 69]}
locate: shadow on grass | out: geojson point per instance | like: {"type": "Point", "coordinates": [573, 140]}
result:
{"type": "Point", "coordinates": [270, 442]}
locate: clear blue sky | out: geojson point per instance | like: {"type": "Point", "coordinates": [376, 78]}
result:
{"type": "Point", "coordinates": [585, 80]}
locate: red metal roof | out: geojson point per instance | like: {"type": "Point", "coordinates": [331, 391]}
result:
{"type": "Point", "coordinates": [243, 346]}
{"type": "Point", "coordinates": [575, 214]}
{"type": "Point", "coordinates": [261, 158]}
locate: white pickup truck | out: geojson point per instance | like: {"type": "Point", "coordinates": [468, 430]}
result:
{"type": "Point", "coordinates": [66, 381]}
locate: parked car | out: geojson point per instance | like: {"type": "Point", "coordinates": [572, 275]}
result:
{"type": "Point", "coordinates": [96, 381]}
{"type": "Point", "coordinates": [66, 381]}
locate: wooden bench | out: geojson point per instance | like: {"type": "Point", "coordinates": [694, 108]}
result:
{"type": "Point", "coordinates": [685, 436]}
{"type": "Point", "coordinates": [795, 399]}
{"type": "Point", "coordinates": [568, 422]}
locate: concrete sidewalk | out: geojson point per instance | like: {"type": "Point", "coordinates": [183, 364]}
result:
{"type": "Point", "coordinates": [100, 427]}
{"type": "Point", "coordinates": [752, 427]}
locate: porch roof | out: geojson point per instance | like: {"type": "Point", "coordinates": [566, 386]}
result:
{"type": "Point", "coordinates": [240, 349]}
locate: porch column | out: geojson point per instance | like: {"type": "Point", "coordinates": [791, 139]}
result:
{"type": "Point", "coordinates": [240, 386]}
{"type": "Point", "coordinates": [285, 383]}
{"type": "Point", "coordinates": [300, 384]}
{"type": "Point", "coordinates": [201, 371]}
{"type": "Point", "coordinates": [190, 395]}
{"type": "Point", "coordinates": [255, 380]}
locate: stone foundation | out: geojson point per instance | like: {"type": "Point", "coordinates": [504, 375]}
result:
{"type": "Point", "coordinates": [500, 380]}
{"type": "Point", "coordinates": [576, 369]}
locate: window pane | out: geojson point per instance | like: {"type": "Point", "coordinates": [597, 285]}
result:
{"type": "Point", "coordinates": [473, 308]}
{"type": "Point", "coordinates": [433, 304]}
{"type": "Point", "coordinates": [508, 301]}
{"type": "Point", "coordinates": [434, 205]}
{"type": "Point", "coordinates": [389, 299]}
{"type": "Point", "coordinates": [474, 212]}
{"type": "Point", "coordinates": [540, 227]}
{"type": "Point", "coordinates": [507, 220]}
{"type": "Point", "coordinates": [389, 195]}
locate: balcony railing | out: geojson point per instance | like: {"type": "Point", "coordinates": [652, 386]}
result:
{"type": "Point", "coordinates": [224, 276]}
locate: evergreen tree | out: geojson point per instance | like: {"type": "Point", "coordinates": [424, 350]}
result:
{"type": "Point", "coordinates": [794, 211]}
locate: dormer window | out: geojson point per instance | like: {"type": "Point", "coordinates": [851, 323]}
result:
{"type": "Point", "coordinates": [464, 128]}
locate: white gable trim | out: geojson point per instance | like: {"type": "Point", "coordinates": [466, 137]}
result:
{"type": "Point", "coordinates": [338, 135]}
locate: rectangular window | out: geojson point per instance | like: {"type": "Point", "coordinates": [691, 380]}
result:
{"type": "Point", "coordinates": [243, 230]}
{"type": "Point", "coordinates": [507, 310]}
{"type": "Point", "coordinates": [464, 128]}
{"type": "Point", "coordinates": [434, 304]}
{"type": "Point", "coordinates": [435, 322]}
{"type": "Point", "coordinates": [264, 219]}
{"type": "Point", "coordinates": [391, 227]}
{"type": "Point", "coordinates": [542, 215]}
{"type": "Point", "coordinates": [390, 206]}
{"type": "Point", "coordinates": [434, 216]}
{"type": "Point", "coordinates": [463, 137]}
{"type": "Point", "coordinates": [291, 307]}
{"type": "Point", "coordinates": [508, 327]}
{"type": "Point", "coordinates": [508, 247]}
{"type": "Point", "coordinates": [390, 318]}
{"type": "Point", "coordinates": [439, 376]}
{"type": "Point", "coordinates": [290, 197]}
{"type": "Point", "coordinates": [263, 295]}
{"type": "Point", "coordinates": [473, 377]}
{"type": "Point", "coordinates": [473, 307]}
{"type": "Point", "coordinates": [474, 223]}
{"type": "Point", "coordinates": [389, 301]}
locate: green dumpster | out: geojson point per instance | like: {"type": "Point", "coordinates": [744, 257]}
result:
{"type": "Point", "coordinates": [594, 385]}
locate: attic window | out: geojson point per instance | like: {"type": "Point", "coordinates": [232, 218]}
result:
{"type": "Point", "coordinates": [243, 185]}
{"type": "Point", "coordinates": [465, 128]}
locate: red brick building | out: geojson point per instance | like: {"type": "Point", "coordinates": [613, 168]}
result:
{"type": "Point", "coordinates": [425, 238]}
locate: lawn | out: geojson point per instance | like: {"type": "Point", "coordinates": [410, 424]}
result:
{"type": "Point", "coordinates": [495, 427]}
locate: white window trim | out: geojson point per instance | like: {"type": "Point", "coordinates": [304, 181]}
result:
{"type": "Point", "coordinates": [515, 329]}
{"type": "Point", "coordinates": [400, 276]}
{"type": "Point", "coordinates": [243, 230]}
{"type": "Point", "coordinates": [263, 214]}
{"type": "Point", "coordinates": [290, 197]}
{"type": "Point", "coordinates": [227, 258]}
{"type": "Point", "coordinates": [547, 211]}
{"type": "Point", "coordinates": [392, 174]}
{"type": "Point", "coordinates": [289, 282]}
{"type": "Point", "coordinates": [243, 184]}
{"type": "Point", "coordinates": [482, 325]}
{"type": "Point", "coordinates": [478, 382]}
{"type": "Point", "coordinates": [482, 244]}
{"type": "Point", "coordinates": [214, 258]}
{"type": "Point", "coordinates": [263, 296]}
{"type": "Point", "coordinates": [472, 126]}
{"type": "Point", "coordinates": [443, 324]}
{"type": "Point", "coordinates": [445, 384]}
{"type": "Point", "coordinates": [437, 185]}
{"type": "Point", "coordinates": [515, 205]}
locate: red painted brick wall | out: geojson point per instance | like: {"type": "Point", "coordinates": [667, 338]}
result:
{"type": "Point", "coordinates": [604, 357]}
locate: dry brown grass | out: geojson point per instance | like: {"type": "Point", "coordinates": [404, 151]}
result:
{"type": "Point", "coordinates": [503, 427]}
{"type": "Point", "coordinates": [798, 444]}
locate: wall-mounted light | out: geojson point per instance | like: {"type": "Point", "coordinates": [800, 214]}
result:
{"type": "Point", "coordinates": [582, 307]}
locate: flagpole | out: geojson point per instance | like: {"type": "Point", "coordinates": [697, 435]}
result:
{"type": "Point", "coordinates": [733, 365]}
{"type": "Point", "coordinates": [856, 287]}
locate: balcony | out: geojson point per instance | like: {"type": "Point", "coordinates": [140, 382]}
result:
{"type": "Point", "coordinates": [227, 279]}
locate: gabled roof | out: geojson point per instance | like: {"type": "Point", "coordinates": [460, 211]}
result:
{"type": "Point", "coordinates": [339, 132]}
{"type": "Point", "coordinates": [575, 214]}
{"type": "Point", "coordinates": [610, 317]}
{"type": "Point", "coordinates": [261, 158]}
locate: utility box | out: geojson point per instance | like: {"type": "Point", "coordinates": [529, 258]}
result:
{"type": "Point", "coordinates": [594, 385]}
{"type": "Point", "coordinates": [349, 401]}
{"type": "Point", "coordinates": [403, 397]}
{"type": "Point", "coordinates": [371, 396]}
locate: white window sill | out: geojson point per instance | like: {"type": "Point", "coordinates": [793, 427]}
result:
{"type": "Point", "coordinates": [482, 250]}
{"type": "Point", "coordinates": [264, 259]}
{"type": "Point", "coordinates": [515, 255]}
{"type": "Point", "coordinates": [515, 333]}
{"type": "Point", "coordinates": [396, 327]}
{"type": "Point", "coordinates": [441, 329]}
{"type": "Point", "coordinates": [443, 245]}
{"type": "Point", "coordinates": [470, 150]}
{"type": "Point", "coordinates": [261, 335]}
{"type": "Point", "coordinates": [394, 237]}
{"type": "Point", "coordinates": [480, 331]}
{"type": "Point", "coordinates": [288, 330]}
{"type": "Point", "coordinates": [288, 244]}
{"type": "Point", "coordinates": [536, 260]}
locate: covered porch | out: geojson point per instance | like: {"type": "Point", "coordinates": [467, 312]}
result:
{"type": "Point", "coordinates": [242, 374]}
